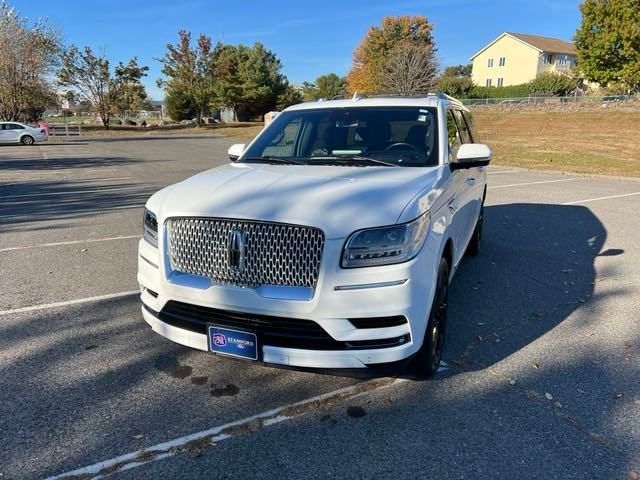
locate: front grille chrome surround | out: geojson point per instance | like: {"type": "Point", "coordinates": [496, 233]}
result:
{"type": "Point", "coordinates": [275, 253]}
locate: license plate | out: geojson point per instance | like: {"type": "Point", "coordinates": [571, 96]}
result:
{"type": "Point", "coordinates": [234, 343]}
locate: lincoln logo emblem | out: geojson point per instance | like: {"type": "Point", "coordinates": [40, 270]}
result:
{"type": "Point", "coordinates": [237, 250]}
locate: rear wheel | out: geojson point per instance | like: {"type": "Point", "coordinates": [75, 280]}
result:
{"type": "Point", "coordinates": [27, 140]}
{"type": "Point", "coordinates": [428, 358]}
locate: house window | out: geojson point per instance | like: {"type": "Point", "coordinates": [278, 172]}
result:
{"type": "Point", "coordinates": [490, 63]}
{"type": "Point", "coordinates": [563, 60]}
{"type": "Point", "coordinates": [502, 61]}
{"type": "Point", "coordinates": [488, 82]}
{"type": "Point", "coordinates": [500, 82]}
{"type": "Point", "coordinates": [548, 58]}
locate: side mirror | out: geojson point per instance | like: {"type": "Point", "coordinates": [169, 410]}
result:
{"type": "Point", "coordinates": [235, 151]}
{"type": "Point", "coordinates": [472, 155]}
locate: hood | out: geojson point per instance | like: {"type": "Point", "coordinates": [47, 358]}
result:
{"type": "Point", "coordinates": [337, 199]}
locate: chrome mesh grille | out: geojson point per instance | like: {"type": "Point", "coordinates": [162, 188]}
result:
{"type": "Point", "coordinates": [276, 253]}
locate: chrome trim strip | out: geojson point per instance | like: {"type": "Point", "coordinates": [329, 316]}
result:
{"type": "Point", "coordinates": [148, 261]}
{"type": "Point", "coordinates": [362, 286]}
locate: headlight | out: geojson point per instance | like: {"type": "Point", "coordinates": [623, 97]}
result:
{"type": "Point", "coordinates": [150, 227]}
{"type": "Point", "coordinates": [385, 245]}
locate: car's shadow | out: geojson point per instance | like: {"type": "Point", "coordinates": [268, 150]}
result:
{"type": "Point", "coordinates": [535, 268]}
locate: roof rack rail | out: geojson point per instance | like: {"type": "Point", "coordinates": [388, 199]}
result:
{"type": "Point", "coordinates": [451, 99]}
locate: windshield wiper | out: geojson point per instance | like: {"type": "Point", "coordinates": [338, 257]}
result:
{"type": "Point", "coordinates": [353, 158]}
{"type": "Point", "coordinates": [270, 159]}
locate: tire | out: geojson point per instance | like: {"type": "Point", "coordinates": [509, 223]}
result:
{"type": "Point", "coordinates": [427, 360]}
{"type": "Point", "coordinates": [27, 140]}
{"type": "Point", "coordinates": [474, 244]}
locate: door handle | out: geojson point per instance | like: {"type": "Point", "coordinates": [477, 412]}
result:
{"type": "Point", "coordinates": [471, 181]}
{"type": "Point", "coordinates": [452, 205]}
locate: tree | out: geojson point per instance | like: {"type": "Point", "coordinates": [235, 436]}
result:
{"type": "Point", "coordinates": [129, 93]}
{"type": "Point", "coordinates": [458, 71]}
{"type": "Point", "coordinates": [180, 105]}
{"type": "Point", "coordinates": [459, 87]}
{"type": "Point", "coordinates": [190, 74]}
{"type": "Point", "coordinates": [369, 57]}
{"type": "Point", "coordinates": [91, 76]}
{"type": "Point", "coordinates": [248, 79]}
{"type": "Point", "coordinates": [290, 96]}
{"type": "Point", "coordinates": [28, 56]}
{"type": "Point", "coordinates": [409, 69]}
{"type": "Point", "coordinates": [456, 81]}
{"type": "Point", "coordinates": [608, 42]}
{"type": "Point", "coordinates": [325, 86]}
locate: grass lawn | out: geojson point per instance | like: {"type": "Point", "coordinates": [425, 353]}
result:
{"type": "Point", "coordinates": [582, 142]}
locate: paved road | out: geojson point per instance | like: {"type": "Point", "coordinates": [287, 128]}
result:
{"type": "Point", "coordinates": [543, 348]}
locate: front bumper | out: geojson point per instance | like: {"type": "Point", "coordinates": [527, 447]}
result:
{"type": "Point", "coordinates": [341, 294]}
{"type": "Point", "coordinates": [323, 359]}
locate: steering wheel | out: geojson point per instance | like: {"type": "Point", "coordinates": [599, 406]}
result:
{"type": "Point", "coordinates": [395, 146]}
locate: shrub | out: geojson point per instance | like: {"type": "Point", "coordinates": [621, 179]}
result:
{"type": "Point", "coordinates": [458, 87]}
{"type": "Point", "coordinates": [512, 91]}
{"type": "Point", "coordinates": [555, 84]}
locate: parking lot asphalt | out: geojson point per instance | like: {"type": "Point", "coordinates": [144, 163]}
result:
{"type": "Point", "coordinates": [543, 349]}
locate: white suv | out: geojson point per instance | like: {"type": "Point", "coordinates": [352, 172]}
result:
{"type": "Point", "coordinates": [328, 242]}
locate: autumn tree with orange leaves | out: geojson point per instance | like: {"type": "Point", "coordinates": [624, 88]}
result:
{"type": "Point", "coordinates": [383, 42]}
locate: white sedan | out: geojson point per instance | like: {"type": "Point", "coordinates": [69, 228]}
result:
{"type": "Point", "coordinates": [14, 132]}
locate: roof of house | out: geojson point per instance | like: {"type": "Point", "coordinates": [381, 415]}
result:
{"type": "Point", "coordinates": [543, 44]}
{"type": "Point", "coordinates": [546, 44]}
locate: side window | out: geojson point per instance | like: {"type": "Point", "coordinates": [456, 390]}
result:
{"type": "Point", "coordinates": [14, 126]}
{"type": "Point", "coordinates": [462, 126]}
{"type": "Point", "coordinates": [453, 136]}
{"type": "Point", "coordinates": [468, 118]}
{"type": "Point", "coordinates": [285, 142]}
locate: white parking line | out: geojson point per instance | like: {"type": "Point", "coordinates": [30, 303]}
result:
{"type": "Point", "coordinates": [72, 192]}
{"type": "Point", "coordinates": [67, 171]}
{"type": "Point", "coordinates": [602, 198]}
{"type": "Point", "coordinates": [531, 183]}
{"type": "Point", "coordinates": [213, 435]}
{"type": "Point", "coordinates": [33, 308]}
{"type": "Point", "coordinates": [70, 242]}
{"type": "Point", "coordinates": [87, 180]}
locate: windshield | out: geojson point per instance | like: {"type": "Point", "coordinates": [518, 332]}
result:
{"type": "Point", "coordinates": [362, 136]}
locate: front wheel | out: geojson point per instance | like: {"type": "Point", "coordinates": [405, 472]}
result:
{"type": "Point", "coordinates": [27, 140]}
{"type": "Point", "coordinates": [428, 358]}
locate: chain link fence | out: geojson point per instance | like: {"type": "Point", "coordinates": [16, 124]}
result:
{"type": "Point", "coordinates": [537, 100]}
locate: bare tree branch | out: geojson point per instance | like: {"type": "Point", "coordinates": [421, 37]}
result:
{"type": "Point", "coordinates": [409, 69]}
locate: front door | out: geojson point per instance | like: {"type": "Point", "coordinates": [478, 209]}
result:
{"type": "Point", "coordinates": [459, 204]}
{"type": "Point", "coordinates": [13, 131]}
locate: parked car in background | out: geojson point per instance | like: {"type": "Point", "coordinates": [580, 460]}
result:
{"type": "Point", "coordinates": [328, 242]}
{"type": "Point", "coordinates": [15, 132]}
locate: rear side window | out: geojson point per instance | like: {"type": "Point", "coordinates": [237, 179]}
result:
{"type": "Point", "coordinates": [453, 136]}
{"type": "Point", "coordinates": [468, 117]}
{"type": "Point", "coordinates": [13, 126]}
{"type": "Point", "coordinates": [462, 127]}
